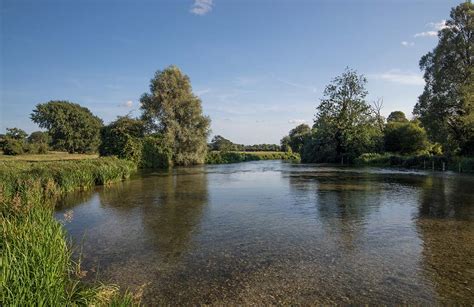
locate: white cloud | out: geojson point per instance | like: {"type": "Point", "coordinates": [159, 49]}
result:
{"type": "Point", "coordinates": [426, 34]}
{"type": "Point", "coordinates": [398, 76]}
{"type": "Point", "coordinates": [202, 92]}
{"type": "Point", "coordinates": [408, 44]}
{"type": "Point", "coordinates": [201, 7]}
{"type": "Point", "coordinates": [126, 104]}
{"type": "Point", "coordinates": [435, 27]}
{"type": "Point", "coordinates": [438, 25]}
{"type": "Point", "coordinates": [297, 121]}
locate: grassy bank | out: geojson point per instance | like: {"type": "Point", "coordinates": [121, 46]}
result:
{"type": "Point", "coordinates": [456, 164]}
{"type": "Point", "coordinates": [37, 266]}
{"type": "Point", "coordinates": [50, 156]}
{"type": "Point", "coordinates": [216, 157]}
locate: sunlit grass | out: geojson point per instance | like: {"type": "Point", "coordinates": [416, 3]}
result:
{"type": "Point", "coordinates": [51, 156]}
{"type": "Point", "coordinates": [36, 262]}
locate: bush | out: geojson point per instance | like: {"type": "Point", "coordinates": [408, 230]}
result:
{"type": "Point", "coordinates": [13, 147]}
{"type": "Point", "coordinates": [405, 138]}
{"type": "Point", "coordinates": [155, 153]}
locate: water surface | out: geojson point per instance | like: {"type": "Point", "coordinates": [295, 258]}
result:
{"type": "Point", "coordinates": [276, 232]}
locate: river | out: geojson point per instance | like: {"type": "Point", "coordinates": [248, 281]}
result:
{"type": "Point", "coordinates": [276, 232]}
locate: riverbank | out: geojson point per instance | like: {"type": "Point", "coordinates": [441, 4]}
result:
{"type": "Point", "coordinates": [436, 163]}
{"type": "Point", "coordinates": [37, 264]}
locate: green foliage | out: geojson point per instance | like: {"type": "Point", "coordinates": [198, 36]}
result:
{"type": "Point", "coordinates": [36, 263]}
{"type": "Point", "coordinates": [122, 138]}
{"type": "Point", "coordinates": [37, 148]}
{"type": "Point", "coordinates": [448, 71]}
{"type": "Point", "coordinates": [298, 136]}
{"type": "Point", "coordinates": [397, 116]}
{"type": "Point", "coordinates": [72, 128]}
{"type": "Point", "coordinates": [285, 144]}
{"type": "Point", "coordinates": [156, 153]}
{"type": "Point", "coordinates": [16, 133]}
{"type": "Point", "coordinates": [345, 125]}
{"type": "Point", "coordinates": [428, 162]}
{"type": "Point", "coordinates": [215, 157]}
{"type": "Point", "coordinates": [39, 137]}
{"type": "Point", "coordinates": [220, 143]}
{"type": "Point", "coordinates": [13, 147]}
{"type": "Point", "coordinates": [405, 137]}
{"type": "Point", "coordinates": [171, 109]}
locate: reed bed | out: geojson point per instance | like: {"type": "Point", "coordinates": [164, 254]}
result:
{"type": "Point", "coordinates": [36, 262]}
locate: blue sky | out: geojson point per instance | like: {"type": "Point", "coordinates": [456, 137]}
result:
{"type": "Point", "coordinates": [259, 66]}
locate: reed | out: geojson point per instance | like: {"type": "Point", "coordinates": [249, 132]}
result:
{"type": "Point", "coordinates": [36, 262]}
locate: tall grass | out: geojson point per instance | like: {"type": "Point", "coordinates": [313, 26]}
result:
{"type": "Point", "coordinates": [36, 263]}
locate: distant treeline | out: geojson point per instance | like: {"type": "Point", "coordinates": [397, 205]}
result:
{"type": "Point", "coordinates": [347, 126]}
{"type": "Point", "coordinates": [219, 143]}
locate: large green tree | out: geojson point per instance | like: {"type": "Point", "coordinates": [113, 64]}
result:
{"type": "Point", "coordinates": [345, 124]}
{"type": "Point", "coordinates": [172, 110]}
{"type": "Point", "coordinates": [71, 127]}
{"type": "Point", "coordinates": [448, 73]}
{"type": "Point", "coordinates": [298, 136]}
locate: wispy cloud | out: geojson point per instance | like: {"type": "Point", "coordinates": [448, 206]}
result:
{"type": "Point", "coordinates": [433, 32]}
{"type": "Point", "coordinates": [297, 121]}
{"type": "Point", "coordinates": [202, 92]}
{"type": "Point", "coordinates": [201, 7]}
{"type": "Point", "coordinates": [126, 104]}
{"type": "Point", "coordinates": [297, 85]}
{"type": "Point", "coordinates": [407, 44]}
{"type": "Point", "coordinates": [398, 76]}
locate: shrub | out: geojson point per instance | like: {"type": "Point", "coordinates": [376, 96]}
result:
{"type": "Point", "coordinates": [13, 147]}
{"type": "Point", "coordinates": [155, 153]}
{"type": "Point", "coordinates": [405, 138]}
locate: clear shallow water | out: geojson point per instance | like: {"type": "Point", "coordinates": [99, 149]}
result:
{"type": "Point", "coordinates": [275, 232]}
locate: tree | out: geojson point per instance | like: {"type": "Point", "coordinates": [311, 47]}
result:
{"type": "Point", "coordinates": [220, 143]}
{"type": "Point", "coordinates": [285, 143]}
{"type": "Point", "coordinates": [122, 138]}
{"type": "Point", "coordinates": [16, 133]}
{"type": "Point", "coordinates": [298, 136]}
{"type": "Point", "coordinates": [405, 137]}
{"type": "Point", "coordinates": [397, 116]}
{"type": "Point", "coordinates": [448, 73]}
{"type": "Point", "coordinates": [345, 125]}
{"type": "Point", "coordinates": [72, 128]}
{"type": "Point", "coordinates": [172, 110]}
{"type": "Point", "coordinates": [39, 137]}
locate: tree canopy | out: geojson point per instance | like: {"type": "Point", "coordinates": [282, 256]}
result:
{"type": "Point", "coordinates": [397, 116]}
{"type": "Point", "coordinates": [72, 128]}
{"type": "Point", "coordinates": [297, 137]}
{"type": "Point", "coordinates": [444, 105]}
{"type": "Point", "coordinates": [172, 110]}
{"type": "Point", "coordinates": [345, 125]}
{"type": "Point", "coordinates": [405, 137]}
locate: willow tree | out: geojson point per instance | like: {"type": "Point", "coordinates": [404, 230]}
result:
{"type": "Point", "coordinates": [446, 101]}
{"type": "Point", "coordinates": [172, 110]}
